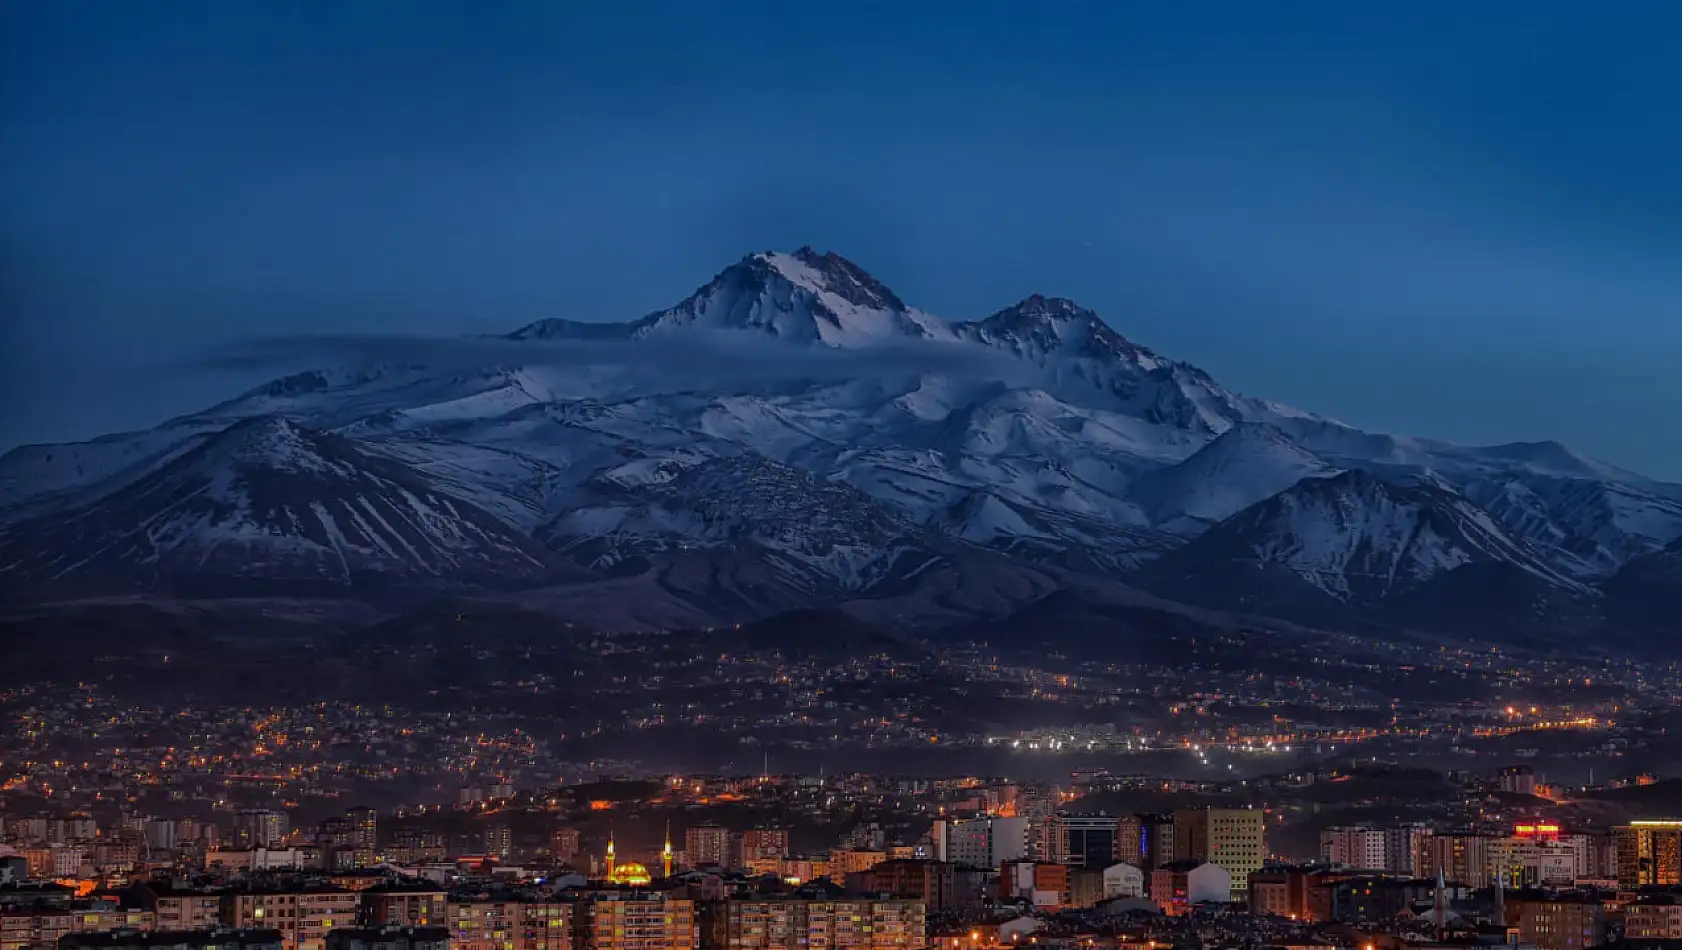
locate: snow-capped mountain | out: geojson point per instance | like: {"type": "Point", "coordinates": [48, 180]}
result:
{"type": "Point", "coordinates": [804, 297]}
{"type": "Point", "coordinates": [1238, 468]}
{"type": "Point", "coordinates": [265, 502]}
{"type": "Point", "coordinates": [1081, 354]}
{"type": "Point", "coordinates": [1355, 538]}
{"type": "Point", "coordinates": [870, 449]}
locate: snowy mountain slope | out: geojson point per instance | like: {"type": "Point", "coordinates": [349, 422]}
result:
{"type": "Point", "coordinates": [1356, 538]}
{"type": "Point", "coordinates": [1050, 535]}
{"type": "Point", "coordinates": [37, 479]}
{"type": "Point", "coordinates": [519, 490]}
{"type": "Point", "coordinates": [1596, 526]}
{"type": "Point", "coordinates": [266, 501]}
{"type": "Point", "coordinates": [828, 534]}
{"type": "Point", "coordinates": [1241, 466]}
{"type": "Point", "coordinates": [1034, 443]}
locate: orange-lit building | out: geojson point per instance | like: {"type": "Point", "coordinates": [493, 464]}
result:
{"type": "Point", "coordinates": [511, 925]}
{"type": "Point", "coordinates": [1653, 917]}
{"type": "Point", "coordinates": [934, 883]}
{"type": "Point", "coordinates": [303, 917]}
{"type": "Point", "coordinates": [1041, 883]}
{"type": "Point", "coordinates": [794, 924]}
{"type": "Point", "coordinates": [21, 929]}
{"type": "Point", "coordinates": [564, 845]}
{"type": "Point", "coordinates": [1649, 853]}
{"type": "Point", "coordinates": [843, 861]}
{"type": "Point", "coordinates": [1300, 893]}
{"type": "Point", "coordinates": [180, 910]}
{"type": "Point", "coordinates": [1461, 858]}
{"type": "Point", "coordinates": [707, 845]}
{"type": "Point", "coordinates": [1179, 886]}
{"type": "Point", "coordinates": [764, 843]}
{"type": "Point", "coordinates": [1557, 923]}
{"type": "Point", "coordinates": [403, 904]}
{"type": "Point", "coordinates": [635, 920]}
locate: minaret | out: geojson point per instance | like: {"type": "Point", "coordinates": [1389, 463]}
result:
{"type": "Point", "coordinates": [610, 852]}
{"type": "Point", "coordinates": [666, 853]}
{"type": "Point", "coordinates": [1440, 905]}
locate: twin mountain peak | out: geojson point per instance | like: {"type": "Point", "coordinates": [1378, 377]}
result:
{"type": "Point", "coordinates": [905, 481]}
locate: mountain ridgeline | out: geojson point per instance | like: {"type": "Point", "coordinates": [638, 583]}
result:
{"type": "Point", "coordinates": [871, 457]}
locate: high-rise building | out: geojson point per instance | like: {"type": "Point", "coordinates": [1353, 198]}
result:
{"type": "Point", "coordinates": [411, 844]}
{"type": "Point", "coordinates": [1389, 849]}
{"type": "Point", "coordinates": [764, 844]}
{"type": "Point", "coordinates": [182, 910]}
{"type": "Point", "coordinates": [1234, 839]}
{"type": "Point", "coordinates": [259, 828]}
{"type": "Point", "coordinates": [801, 924]}
{"type": "Point", "coordinates": [932, 883]}
{"type": "Point", "coordinates": [511, 925]}
{"type": "Point", "coordinates": [335, 833]}
{"type": "Point", "coordinates": [405, 904]}
{"type": "Point", "coordinates": [1145, 841]}
{"type": "Point", "coordinates": [1278, 891]}
{"type": "Point", "coordinates": [1158, 830]}
{"type": "Point", "coordinates": [1355, 846]}
{"type": "Point", "coordinates": [365, 828]}
{"type": "Point", "coordinates": [1401, 847]}
{"type": "Point", "coordinates": [1557, 922]}
{"type": "Point", "coordinates": [1535, 853]}
{"type": "Point", "coordinates": [1597, 854]}
{"type": "Point", "coordinates": [1178, 886]}
{"type": "Point", "coordinates": [1130, 840]}
{"type": "Point", "coordinates": [1084, 840]}
{"type": "Point", "coordinates": [563, 845]}
{"type": "Point", "coordinates": [499, 841]}
{"type": "Point", "coordinates": [635, 920]}
{"type": "Point", "coordinates": [845, 861]}
{"type": "Point", "coordinates": [303, 917]}
{"type": "Point", "coordinates": [1518, 780]}
{"type": "Point", "coordinates": [707, 845]}
{"type": "Point", "coordinates": [1461, 858]}
{"type": "Point", "coordinates": [159, 834]}
{"type": "Point", "coordinates": [1649, 853]}
{"type": "Point", "coordinates": [980, 842]}
{"type": "Point", "coordinates": [867, 836]}
{"type": "Point", "coordinates": [1040, 883]}
{"type": "Point", "coordinates": [1653, 917]}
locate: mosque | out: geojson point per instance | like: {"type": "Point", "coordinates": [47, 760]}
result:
{"type": "Point", "coordinates": [632, 874]}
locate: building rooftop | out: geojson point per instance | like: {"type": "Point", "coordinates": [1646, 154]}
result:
{"type": "Point", "coordinates": [172, 938]}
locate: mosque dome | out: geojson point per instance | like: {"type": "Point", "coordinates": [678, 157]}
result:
{"type": "Point", "coordinates": [630, 873]}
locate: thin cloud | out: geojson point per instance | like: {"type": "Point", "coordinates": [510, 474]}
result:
{"type": "Point", "coordinates": [700, 358]}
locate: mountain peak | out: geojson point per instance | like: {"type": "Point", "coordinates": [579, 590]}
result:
{"type": "Point", "coordinates": [262, 430]}
{"type": "Point", "coordinates": [1039, 326]}
{"type": "Point", "coordinates": [1053, 308]}
{"type": "Point", "coordinates": [803, 297]}
{"type": "Point", "coordinates": [272, 442]}
{"type": "Point", "coordinates": [1247, 463]}
{"type": "Point", "coordinates": [829, 272]}
{"type": "Point", "coordinates": [556, 328]}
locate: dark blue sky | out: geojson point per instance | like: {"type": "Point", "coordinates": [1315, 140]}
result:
{"type": "Point", "coordinates": [1461, 220]}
